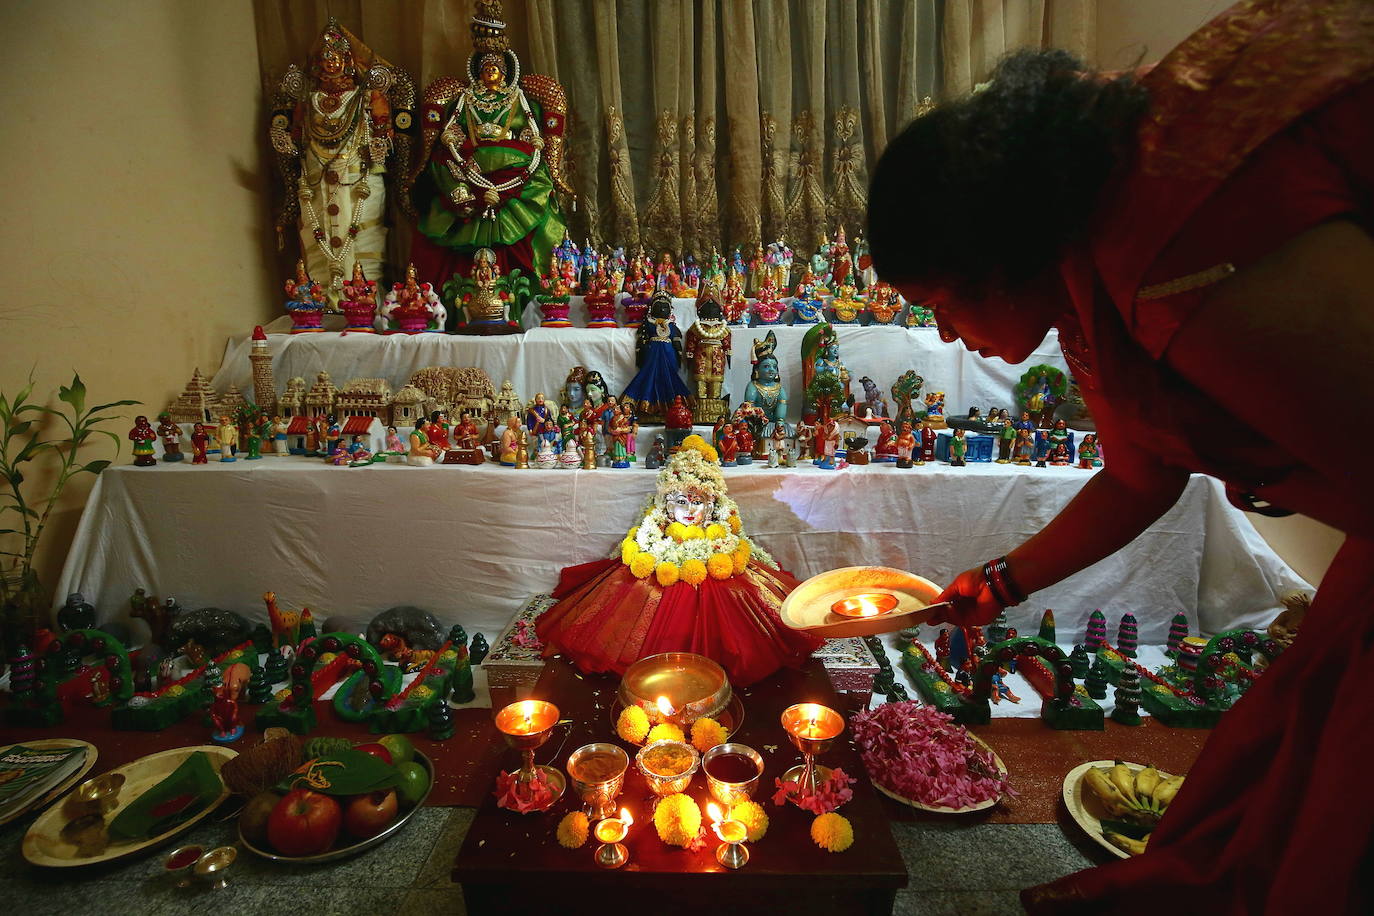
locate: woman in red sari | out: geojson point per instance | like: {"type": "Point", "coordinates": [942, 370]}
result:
{"type": "Point", "coordinates": [1201, 237]}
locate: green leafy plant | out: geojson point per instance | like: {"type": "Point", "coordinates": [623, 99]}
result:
{"type": "Point", "coordinates": [22, 444]}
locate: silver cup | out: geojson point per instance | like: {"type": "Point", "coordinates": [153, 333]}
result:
{"type": "Point", "coordinates": [732, 793]}
{"type": "Point", "coordinates": [599, 797]}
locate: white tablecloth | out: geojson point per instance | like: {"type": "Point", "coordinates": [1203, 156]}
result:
{"type": "Point", "coordinates": [472, 544]}
{"type": "Point", "coordinates": [539, 360]}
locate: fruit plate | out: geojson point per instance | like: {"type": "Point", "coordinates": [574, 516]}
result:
{"type": "Point", "coordinates": [941, 809]}
{"type": "Point", "coordinates": [352, 849]}
{"type": "Point", "coordinates": [44, 845]}
{"type": "Point", "coordinates": [1087, 809]}
{"type": "Point", "coordinates": [61, 788]}
{"type": "Point", "coordinates": [730, 718]}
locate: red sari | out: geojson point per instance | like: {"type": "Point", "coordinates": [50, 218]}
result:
{"type": "Point", "coordinates": [607, 619]}
{"type": "Point", "coordinates": [1261, 127]}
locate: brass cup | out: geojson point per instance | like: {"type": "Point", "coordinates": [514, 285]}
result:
{"type": "Point", "coordinates": [96, 796]}
{"type": "Point", "coordinates": [599, 797]}
{"type": "Point", "coordinates": [667, 785]}
{"type": "Point", "coordinates": [212, 866]}
{"type": "Point", "coordinates": [732, 793]}
{"type": "Point", "coordinates": [182, 874]}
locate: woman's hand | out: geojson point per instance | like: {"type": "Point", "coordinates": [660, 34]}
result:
{"type": "Point", "coordinates": [974, 604]}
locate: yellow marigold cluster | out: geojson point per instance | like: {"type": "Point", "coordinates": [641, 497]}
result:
{"type": "Point", "coordinates": [677, 531]}
{"type": "Point", "coordinates": [632, 533]}
{"type": "Point", "coordinates": [665, 731]}
{"type": "Point", "coordinates": [572, 830]}
{"type": "Point", "coordinates": [734, 523]}
{"type": "Point", "coordinates": [632, 725]}
{"type": "Point", "coordinates": [699, 444]}
{"type": "Point", "coordinates": [642, 565]}
{"type": "Point", "coordinates": [677, 820]}
{"type": "Point", "coordinates": [707, 733]}
{"type": "Point", "coordinates": [751, 815]}
{"type": "Point", "coordinates": [832, 832]}
{"type": "Point", "coordinates": [667, 573]}
{"type": "Point", "coordinates": [628, 550]}
{"type": "Point", "coordinates": [694, 572]}
{"type": "Point", "coordinates": [692, 533]}
{"type": "Point", "coordinates": [421, 692]}
{"type": "Point", "coordinates": [720, 566]}
{"type": "Point", "coordinates": [714, 532]}
{"type": "Point", "coordinates": [741, 557]}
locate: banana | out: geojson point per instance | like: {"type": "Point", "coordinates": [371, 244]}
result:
{"type": "Point", "coordinates": [1122, 777]}
{"type": "Point", "coordinates": [1106, 791]}
{"type": "Point", "coordinates": [1134, 847]}
{"type": "Point", "coordinates": [1164, 792]}
{"type": "Point", "coordinates": [1145, 781]}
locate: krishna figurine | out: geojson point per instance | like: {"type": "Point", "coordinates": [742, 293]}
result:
{"type": "Point", "coordinates": [491, 168]}
{"type": "Point", "coordinates": [334, 130]}
{"type": "Point", "coordinates": [685, 579]}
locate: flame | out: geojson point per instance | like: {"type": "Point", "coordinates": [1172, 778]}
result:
{"type": "Point", "coordinates": [868, 608]}
{"type": "Point", "coordinates": [665, 707]}
{"type": "Point", "coordinates": [625, 817]}
{"type": "Point", "coordinates": [713, 811]}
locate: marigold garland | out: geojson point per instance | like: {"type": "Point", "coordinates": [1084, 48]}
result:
{"type": "Point", "coordinates": [720, 566]}
{"type": "Point", "coordinates": [751, 815]}
{"type": "Point", "coordinates": [675, 530]}
{"type": "Point", "coordinates": [739, 562]}
{"type": "Point", "coordinates": [714, 532]}
{"type": "Point", "coordinates": [632, 725]}
{"type": "Point", "coordinates": [734, 523]}
{"type": "Point", "coordinates": [628, 550]}
{"type": "Point", "coordinates": [667, 573]}
{"type": "Point", "coordinates": [707, 733]}
{"type": "Point", "coordinates": [694, 572]}
{"type": "Point", "coordinates": [642, 565]}
{"type": "Point", "coordinates": [572, 830]}
{"type": "Point", "coordinates": [832, 832]}
{"type": "Point", "coordinates": [665, 731]}
{"type": "Point", "coordinates": [677, 820]}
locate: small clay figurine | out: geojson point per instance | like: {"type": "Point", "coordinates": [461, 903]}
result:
{"type": "Point", "coordinates": [658, 454]}
{"type": "Point", "coordinates": [143, 436]}
{"type": "Point", "coordinates": [588, 443]}
{"type": "Point", "coordinates": [827, 443]}
{"type": "Point", "coordinates": [200, 442]}
{"type": "Point", "coordinates": [479, 649]}
{"type": "Point", "coordinates": [1089, 455]}
{"type": "Point", "coordinates": [1000, 688]}
{"type": "Point", "coordinates": [1025, 446]}
{"type": "Point", "coordinates": [422, 453]}
{"type": "Point", "coordinates": [358, 454]}
{"type": "Point", "coordinates": [394, 446]}
{"type": "Point", "coordinates": [1060, 457]}
{"type": "Point", "coordinates": [510, 441]}
{"type": "Point", "coordinates": [885, 452]}
{"type": "Point", "coordinates": [906, 444]}
{"type": "Point", "coordinates": [1006, 438]}
{"type": "Point", "coordinates": [170, 434]}
{"type": "Point", "coordinates": [958, 448]}
{"type": "Point", "coordinates": [727, 445]}
{"type": "Point", "coordinates": [257, 430]}
{"type": "Point", "coordinates": [522, 451]}
{"type": "Point", "coordinates": [744, 443]}
{"type": "Point", "coordinates": [224, 712]}
{"type": "Point", "coordinates": [779, 448]}
{"type": "Point", "coordinates": [76, 614]}
{"type": "Point", "coordinates": [927, 442]}
{"type": "Point", "coordinates": [228, 439]}
{"type": "Point", "coordinates": [280, 446]}
{"type": "Point", "coordinates": [806, 444]}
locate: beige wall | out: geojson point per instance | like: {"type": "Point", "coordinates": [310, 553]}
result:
{"type": "Point", "coordinates": [134, 240]}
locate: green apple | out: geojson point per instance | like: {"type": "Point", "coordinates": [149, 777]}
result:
{"type": "Point", "coordinates": [402, 751]}
{"type": "Point", "coordinates": [414, 782]}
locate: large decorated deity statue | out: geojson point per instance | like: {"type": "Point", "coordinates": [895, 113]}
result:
{"type": "Point", "coordinates": [765, 388]}
{"type": "Point", "coordinates": [685, 579]}
{"type": "Point", "coordinates": [338, 130]}
{"type": "Point", "coordinates": [487, 296]}
{"type": "Point", "coordinates": [658, 353]}
{"type": "Point", "coordinates": [490, 164]}
{"type": "Point", "coordinates": [707, 348]}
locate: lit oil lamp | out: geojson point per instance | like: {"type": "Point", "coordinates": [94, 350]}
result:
{"type": "Point", "coordinates": [871, 604]}
{"type": "Point", "coordinates": [611, 834]}
{"type": "Point", "coordinates": [526, 725]}
{"type": "Point", "coordinates": [665, 709]}
{"type": "Point", "coordinates": [732, 852]}
{"type": "Point", "coordinates": [812, 728]}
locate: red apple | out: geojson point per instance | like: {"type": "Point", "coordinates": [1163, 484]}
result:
{"type": "Point", "coordinates": [368, 815]}
{"type": "Point", "coordinates": [376, 750]}
{"type": "Point", "coordinates": [304, 823]}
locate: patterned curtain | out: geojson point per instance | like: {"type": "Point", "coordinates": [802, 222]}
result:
{"type": "Point", "coordinates": [701, 123]}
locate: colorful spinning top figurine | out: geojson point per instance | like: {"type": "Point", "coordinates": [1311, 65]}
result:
{"type": "Point", "coordinates": [305, 302]}
{"type": "Point", "coordinates": [658, 351]}
{"type": "Point", "coordinates": [360, 301]}
{"type": "Point", "coordinates": [170, 434]}
{"type": "Point", "coordinates": [767, 308]}
{"type": "Point", "coordinates": [600, 302]}
{"type": "Point", "coordinates": [807, 306]}
{"type": "Point", "coordinates": [143, 435]}
{"type": "Point", "coordinates": [686, 579]}
{"type": "Point", "coordinates": [412, 307]}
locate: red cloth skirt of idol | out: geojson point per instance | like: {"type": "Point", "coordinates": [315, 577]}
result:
{"type": "Point", "coordinates": [1276, 815]}
{"type": "Point", "coordinates": [606, 619]}
{"type": "Point", "coordinates": [437, 265]}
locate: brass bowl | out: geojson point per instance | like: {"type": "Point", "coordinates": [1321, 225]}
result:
{"type": "Point", "coordinates": [693, 684]}
{"type": "Point", "coordinates": [97, 796]}
{"type": "Point", "coordinates": [730, 794]}
{"type": "Point", "coordinates": [667, 785]}
{"type": "Point", "coordinates": [600, 796]}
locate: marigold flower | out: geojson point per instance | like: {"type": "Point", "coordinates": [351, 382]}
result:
{"type": "Point", "coordinates": [720, 566]}
{"type": "Point", "coordinates": [707, 733]}
{"type": "Point", "coordinates": [751, 815]}
{"type": "Point", "coordinates": [642, 565]}
{"type": "Point", "coordinates": [677, 820]}
{"type": "Point", "coordinates": [628, 550]}
{"type": "Point", "coordinates": [734, 523]}
{"type": "Point", "coordinates": [832, 832]}
{"type": "Point", "coordinates": [572, 830]}
{"type": "Point", "coordinates": [665, 731]}
{"type": "Point", "coordinates": [677, 531]}
{"type": "Point", "coordinates": [667, 573]}
{"type": "Point", "coordinates": [693, 533]}
{"type": "Point", "coordinates": [632, 725]}
{"type": "Point", "coordinates": [714, 532]}
{"type": "Point", "coordinates": [694, 572]}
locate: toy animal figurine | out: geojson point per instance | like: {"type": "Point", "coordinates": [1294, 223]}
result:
{"type": "Point", "coordinates": [170, 434]}
{"type": "Point", "coordinates": [200, 444]}
{"type": "Point", "coordinates": [143, 435]}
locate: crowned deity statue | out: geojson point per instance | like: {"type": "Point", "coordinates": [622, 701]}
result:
{"type": "Point", "coordinates": [883, 302]}
{"type": "Point", "coordinates": [305, 301]}
{"type": "Point", "coordinates": [658, 350]}
{"type": "Point", "coordinates": [412, 307]}
{"type": "Point", "coordinates": [778, 264]}
{"type": "Point", "coordinates": [768, 308]}
{"type": "Point", "coordinates": [490, 167]}
{"type": "Point", "coordinates": [846, 305]}
{"type": "Point", "coordinates": [807, 305]}
{"type": "Point", "coordinates": [333, 130]}
{"type": "Point", "coordinates": [359, 302]}
{"type": "Point", "coordinates": [825, 380]}
{"type": "Point", "coordinates": [707, 349]}
{"type": "Point", "coordinates": [732, 299]}
{"type": "Point", "coordinates": [765, 389]}
{"type": "Point", "coordinates": [841, 263]}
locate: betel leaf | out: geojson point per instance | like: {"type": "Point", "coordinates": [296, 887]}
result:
{"type": "Point", "coordinates": [345, 772]}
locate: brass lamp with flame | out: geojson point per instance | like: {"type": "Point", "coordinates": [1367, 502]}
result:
{"type": "Point", "coordinates": [860, 601]}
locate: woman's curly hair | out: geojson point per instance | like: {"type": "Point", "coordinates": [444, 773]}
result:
{"type": "Point", "coordinates": [984, 192]}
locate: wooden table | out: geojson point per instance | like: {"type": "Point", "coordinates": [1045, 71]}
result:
{"type": "Point", "coordinates": [513, 862]}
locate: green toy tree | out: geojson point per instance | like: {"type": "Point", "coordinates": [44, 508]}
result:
{"type": "Point", "coordinates": [259, 688]}
{"type": "Point", "coordinates": [1046, 626]}
{"type": "Point", "coordinates": [1126, 636]}
{"type": "Point", "coordinates": [1096, 634]}
{"type": "Point", "coordinates": [1096, 683]}
{"type": "Point", "coordinates": [825, 390]}
{"type": "Point", "coordinates": [1178, 631]}
{"type": "Point", "coordinates": [1127, 711]}
{"type": "Point", "coordinates": [1080, 662]}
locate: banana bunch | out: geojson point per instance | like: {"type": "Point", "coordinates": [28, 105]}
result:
{"type": "Point", "coordinates": [1138, 798]}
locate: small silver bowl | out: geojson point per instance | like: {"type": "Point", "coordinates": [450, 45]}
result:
{"type": "Point", "coordinates": [212, 866]}
{"type": "Point", "coordinates": [667, 785]}
{"type": "Point", "coordinates": [730, 794]}
{"type": "Point", "coordinates": [96, 796]}
{"type": "Point", "coordinates": [181, 862]}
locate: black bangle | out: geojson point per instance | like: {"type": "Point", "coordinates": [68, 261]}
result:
{"type": "Point", "coordinates": [1012, 588]}
{"type": "Point", "coordinates": [999, 581]}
